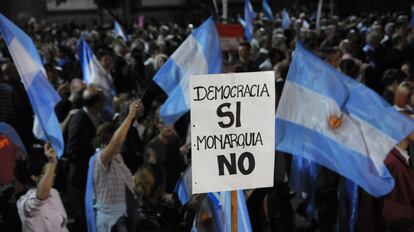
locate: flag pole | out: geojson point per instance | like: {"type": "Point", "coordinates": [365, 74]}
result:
{"type": "Point", "coordinates": [234, 216]}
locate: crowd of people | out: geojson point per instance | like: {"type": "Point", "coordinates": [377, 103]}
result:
{"type": "Point", "coordinates": [137, 159]}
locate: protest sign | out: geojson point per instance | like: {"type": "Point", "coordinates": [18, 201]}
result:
{"type": "Point", "coordinates": [232, 131]}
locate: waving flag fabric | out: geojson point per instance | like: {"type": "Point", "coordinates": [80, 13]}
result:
{"type": "Point", "coordinates": [11, 134]}
{"type": "Point", "coordinates": [200, 53]}
{"type": "Point", "coordinates": [184, 188]}
{"type": "Point", "coordinates": [285, 19]}
{"type": "Point", "coordinates": [94, 74]}
{"type": "Point", "coordinates": [218, 206]}
{"type": "Point", "coordinates": [248, 18]}
{"type": "Point", "coordinates": [337, 122]}
{"type": "Point", "coordinates": [42, 95]}
{"type": "Point", "coordinates": [90, 196]}
{"type": "Point", "coordinates": [118, 31]}
{"type": "Point", "coordinates": [267, 10]}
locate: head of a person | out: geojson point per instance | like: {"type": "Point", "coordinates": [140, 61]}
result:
{"type": "Point", "coordinates": [404, 95]}
{"type": "Point", "coordinates": [52, 74]}
{"type": "Point", "coordinates": [119, 102]}
{"type": "Point", "coordinates": [389, 29]}
{"type": "Point", "coordinates": [399, 42]}
{"type": "Point", "coordinates": [160, 60]}
{"type": "Point", "coordinates": [408, 69]}
{"type": "Point", "coordinates": [136, 53]}
{"type": "Point", "coordinates": [148, 181]}
{"type": "Point", "coordinates": [281, 70]}
{"type": "Point", "coordinates": [346, 46]}
{"type": "Point", "coordinates": [349, 67]}
{"type": "Point", "coordinates": [264, 42]}
{"type": "Point", "coordinates": [77, 86]}
{"type": "Point", "coordinates": [244, 51]}
{"type": "Point", "coordinates": [29, 171]}
{"type": "Point", "coordinates": [92, 98]}
{"type": "Point", "coordinates": [166, 131]}
{"type": "Point", "coordinates": [105, 59]}
{"type": "Point", "coordinates": [373, 39]}
{"type": "Point", "coordinates": [120, 49]}
{"type": "Point", "coordinates": [10, 72]}
{"type": "Point", "coordinates": [392, 78]}
{"type": "Point", "coordinates": [153, 48]}
{"type": "Point", "coordinates": [104, 134]}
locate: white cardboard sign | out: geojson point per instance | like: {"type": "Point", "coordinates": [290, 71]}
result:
{"type": "Point", "coordinates": [232, 131]}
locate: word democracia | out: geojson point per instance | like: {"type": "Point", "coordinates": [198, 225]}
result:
{"type": "Point", "coordinates": [230, 91]}
{"type": "Point", "coordinates": [224, 141]}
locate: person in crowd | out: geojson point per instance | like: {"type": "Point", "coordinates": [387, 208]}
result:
{"type": "Point", "coordinates": [153, 208]}
{"type": "Point", "coordinates": [15, 108]}
{"type": "Point", "coordinates": [164, 150]}
{"type": "Point", "coordinates": [79, 134]}
{"type": "Point", "coordinates": [245, 62]}
{"type": "Point", "coordinates": [111, 177]}
{"type": "Point", "coordinates": [67, 107]}
{"type": "Point", "coordinates": [41, 208]}
{"type": "Point", "coordinates": [399, 203]}
{"type": "Point", "coordinates": [12, 151]}
{"type": "Point", "coordinates": [133, 149]}
{"type": "Point", "coordinates": [391, 79]}
{"type": "Point", "coordinates": [123, 79]}
{"type": "Point", "coordinates": [403, 95]}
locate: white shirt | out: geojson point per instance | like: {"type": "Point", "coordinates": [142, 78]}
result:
{"type": "Point", "coordinates": [43, 216]}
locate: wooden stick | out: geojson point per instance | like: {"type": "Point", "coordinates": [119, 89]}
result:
{"type": "Point", "coordinates": [234, 215]}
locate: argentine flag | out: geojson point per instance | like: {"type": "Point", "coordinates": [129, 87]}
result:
{"type": "Point", "coordinates": [285, 19]}
{"type": "Point", "coordinates": [184, 188]}
{"type": "Point", "coordinates": [200, 53]}
{"type": "Point", "coordinates": [94, 74]}
{"type": "Point", "coordinates": [267, 10]}
{"type": "Point", "coordinates": [42, 95]}
{"type": "Point", "coordinates": [218, 207]}
{"type": "Point", "coordinates": [118, 31]}
{"type": "Point", "coordinates": [248, 18]}
{"type": "Point", "coordinates": [328, 118]}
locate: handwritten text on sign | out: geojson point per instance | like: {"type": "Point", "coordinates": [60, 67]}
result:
{"type": "Point", "coordinates": [233, 129]}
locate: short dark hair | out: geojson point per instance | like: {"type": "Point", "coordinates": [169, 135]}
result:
{"type": "Point", "coordinates": [91, 95]}
{"type": "Point", "coordinates": [391, 75]}
{"type": "Point", "coordinates": [104, 133]}
{"type": "Point", "coordinates": [244, 44]}
{"type": "Point", "coordinates": [32, 166]}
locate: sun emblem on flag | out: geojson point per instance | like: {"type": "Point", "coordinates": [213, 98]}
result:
{"type": "Point", "coordinates": [334, 121]}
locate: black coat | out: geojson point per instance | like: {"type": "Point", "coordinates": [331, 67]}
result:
{"type": "Point", "coordinates": [79, 148]}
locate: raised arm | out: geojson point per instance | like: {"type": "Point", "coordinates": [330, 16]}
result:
{"type": "Point", "coordinates": [46, 181]}
{"type": "Point", "coordinates": [118, 139]}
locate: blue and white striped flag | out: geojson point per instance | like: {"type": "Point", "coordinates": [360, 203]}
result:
{"type": "Point", "coordinates": [118, 31]}
{"type": "Point", "coordinates": [241, 21]}
{"type": "Point", "coordinates": [184, 188]}
{"type": "Point", "coordinates": [267, 10]}
{"type": "Point", "coordinates": [219, 208]}
{"type": "Point", "coordinates": [285, 19]}
{"type": "Point", "coordinates": [200, 53]}
{"type": "Point", "coordinates": [42, 95]}
{"type": "Point", "coordinates": [94, 74]}
{"type": "Point", "coordinates": [90, 196]}
{"type": "Point", "coordinates": [248, 18]}
{"type": "Point", "coordinates": [337, 122]}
